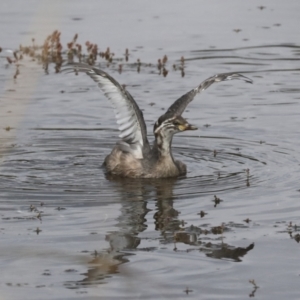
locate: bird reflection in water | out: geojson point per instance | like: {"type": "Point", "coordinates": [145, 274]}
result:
{"type": "Point", "coordinates": [132, 221]}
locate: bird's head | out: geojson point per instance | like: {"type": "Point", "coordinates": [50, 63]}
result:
{"type": "Point", "coordinates": [172, 125]}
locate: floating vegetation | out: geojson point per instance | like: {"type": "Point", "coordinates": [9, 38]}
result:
{"type": "Point", "coordinates": [53, 53]}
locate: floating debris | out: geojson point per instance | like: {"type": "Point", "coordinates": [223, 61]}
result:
{"type": "Point", "coordinates": [39, 216]}
{"type": "Point", "coordinates": [202, 213]}
{"type": "Point", "coordinates": [248, 177]}
{"type": "Point", "coordinates": [217, 200]}
{"type": "Point", "coordinates": [187, 290]}
{"type": "Point", "coordinates": [138, 65]}
{"type": "Point", "coordinates": [159, 65]}
{"type": "Point", "coordinates": [165, 59]}
{"type": "Point", "coordinates": [165, 72]}
{"type": "Point", "coordinates": [120, 69]}
{"type": "Point", "coordinates": [37, 231]}
{"type": "Point", "coordinates": [182, 73]}
{"type": "Point", "coordinates": [60, 208]}
{"type": "Point", "coordinates": [218, 229]}
{"type": "Point", "coordinates": [252, 294]}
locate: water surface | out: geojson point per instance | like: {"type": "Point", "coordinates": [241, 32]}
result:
{"type": "Point", "coordinates": [69, 231]}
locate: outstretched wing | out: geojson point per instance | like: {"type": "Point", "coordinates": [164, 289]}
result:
{"type": "Point", "coordinates": [129, 117]}
{"type": "Point", "coordinates": [178, 107]}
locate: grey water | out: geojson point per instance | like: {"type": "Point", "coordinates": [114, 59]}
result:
{"type": "Point", "coordinates": [229, 229]}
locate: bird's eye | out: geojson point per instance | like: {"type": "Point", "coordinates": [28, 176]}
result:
{"type": "Point", "coordinates": [176, 123]}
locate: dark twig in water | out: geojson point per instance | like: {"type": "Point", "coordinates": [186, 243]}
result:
{"type": "Point", "coordinates": [252, 294]}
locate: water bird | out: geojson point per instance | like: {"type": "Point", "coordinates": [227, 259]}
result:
{"type": "Point", "coordinates": [133, 156]}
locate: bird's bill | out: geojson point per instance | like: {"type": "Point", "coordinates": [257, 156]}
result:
{"type": "Point", "coordinates": [187, 127]}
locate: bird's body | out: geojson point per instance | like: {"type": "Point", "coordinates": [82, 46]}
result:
{"type": "Point", "coordinates": [124, 164]}
{"type": "Point", "coordinates": [133, 156]}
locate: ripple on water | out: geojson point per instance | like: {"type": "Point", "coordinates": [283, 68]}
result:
{"type": "Point", "coordinates": [65, 167]}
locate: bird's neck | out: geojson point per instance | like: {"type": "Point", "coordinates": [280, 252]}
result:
{"type": "Point", "coordinates": [163, 143]}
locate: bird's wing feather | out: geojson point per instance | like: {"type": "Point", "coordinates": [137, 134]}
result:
{"type": "Point", "coordinates": [178, 107]}
{"type": "Point", "coordinates": [129, 117]}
